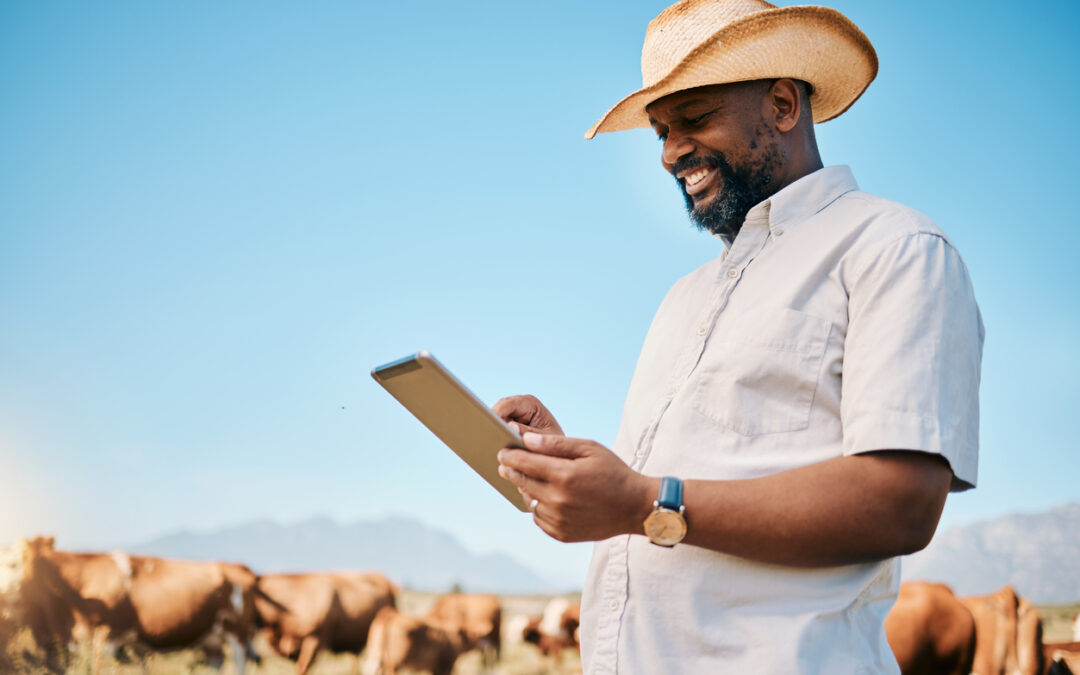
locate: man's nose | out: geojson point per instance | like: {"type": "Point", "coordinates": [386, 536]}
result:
{"type": "Point", "coordinates": [676, 146]}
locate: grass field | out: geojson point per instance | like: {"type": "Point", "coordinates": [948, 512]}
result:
{"type": "Point", "coordinates": [1057, 622]}
{"type": "Point", "coordinates": [517, 659]}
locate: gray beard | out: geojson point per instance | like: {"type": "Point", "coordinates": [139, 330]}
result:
{"type": "Point", "coordinates": [741, 190]}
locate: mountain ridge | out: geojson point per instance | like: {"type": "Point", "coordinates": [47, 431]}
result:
{"type": "Point", "coordinates": [1034, 552]}
{"type": "Point", "coordinates": [405, 551]}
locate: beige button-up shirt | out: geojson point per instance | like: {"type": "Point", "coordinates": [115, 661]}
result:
{"type": "Point", "coordinates": [836, 323]}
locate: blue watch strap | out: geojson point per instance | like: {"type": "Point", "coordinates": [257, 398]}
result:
{"type": "Point", "coordinates": [670, 493]}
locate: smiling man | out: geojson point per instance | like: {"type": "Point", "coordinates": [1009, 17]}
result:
{"type": "Point", "coordinates": [802, 404]}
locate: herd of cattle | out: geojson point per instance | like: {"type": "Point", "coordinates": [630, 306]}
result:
{"type": "Point", "coordinates": [143, 604]}
{"type": "Point", "coordinates": [130, 605]}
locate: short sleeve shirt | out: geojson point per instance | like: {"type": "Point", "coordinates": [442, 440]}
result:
{"type": "Point", "coordinates": [836, 323]}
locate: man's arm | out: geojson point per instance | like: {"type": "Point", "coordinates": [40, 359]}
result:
{"type": "Point", "coordinates": [842, 511]}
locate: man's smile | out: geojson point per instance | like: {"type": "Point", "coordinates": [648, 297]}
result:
{"type": "Point", "coordinates": [697, 180]}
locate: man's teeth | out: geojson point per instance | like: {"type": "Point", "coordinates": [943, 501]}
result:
{"type": "Point", "coordinates": [696, 177]}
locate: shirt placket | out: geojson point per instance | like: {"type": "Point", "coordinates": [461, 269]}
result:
{"type": "Point", "coordinates": [617, 572]}
{"type": "Point", "coordinates": [745, 248]}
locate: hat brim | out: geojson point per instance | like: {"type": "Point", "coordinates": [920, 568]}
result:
{"type": "Point", "coordinates": [818, 45]}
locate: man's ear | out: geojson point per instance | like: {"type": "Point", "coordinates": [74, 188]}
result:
{"type": "Point", "coordinates": [785, 105]}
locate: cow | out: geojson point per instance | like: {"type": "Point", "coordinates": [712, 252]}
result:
{"type": "Point", "coordinates": [556, 630]}
{"type": "Point", "coordinates": [148, 603]}
{"type": "Point", "coordinates": [10, 575]}
{"type": "Point", "coordinates": [303, 613]}
{"type": "Point", "coordinates": [1008, 634]}
{"type": "Point", "coordinates": [479, 615]}
{"type": "Point", "coordinates": [1062, 658]}
{"type": "Point", "coordinates": [424, 644]}
{"type": "Point", "coordinates": [930, 631]}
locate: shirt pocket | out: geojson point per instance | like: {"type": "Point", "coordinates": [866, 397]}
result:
{"type": "Point", "coordinates": [759, 375]}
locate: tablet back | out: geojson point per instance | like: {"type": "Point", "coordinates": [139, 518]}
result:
{"type": "Point", "coordinates": [454, 414]}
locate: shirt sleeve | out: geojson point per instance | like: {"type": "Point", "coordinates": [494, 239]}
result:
{"type": "Point", "coordinates": [912, 356]}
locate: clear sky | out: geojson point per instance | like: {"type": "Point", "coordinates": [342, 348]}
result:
{"type": "Point", "coordinates": [215, 218]}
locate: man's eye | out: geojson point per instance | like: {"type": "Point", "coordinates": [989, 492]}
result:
{"type": "Point", "coordinates": [697, 120]}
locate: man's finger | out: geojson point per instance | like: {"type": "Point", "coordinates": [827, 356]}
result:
{"type": "Point", "coordinates": [516, 408]}
{"type": "Point", "coordinates": [531, 465]}
{"type": "Point", "coordinates": [522, 428]}
{"type": "Point", "coordinates": [542, 521]}
{"type": "Point", "coordinates": [556, 446]}
{"type": "Point", "coordinates": [529, 487]}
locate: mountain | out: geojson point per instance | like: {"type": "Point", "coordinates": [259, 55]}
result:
{"type": "Point", "coordinates": [1039, 554]}
{"type": "Point", "coordinates": [407, 551]}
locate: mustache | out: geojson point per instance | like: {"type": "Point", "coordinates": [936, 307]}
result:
{"type": "Point", "coordinates": [713, 160]}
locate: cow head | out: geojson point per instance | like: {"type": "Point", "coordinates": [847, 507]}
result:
{"type": "Point", "coordinates": [530, 633]}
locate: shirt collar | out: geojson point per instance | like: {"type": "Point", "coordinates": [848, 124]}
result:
{"type": "Point", "coordinates": [805, 197]}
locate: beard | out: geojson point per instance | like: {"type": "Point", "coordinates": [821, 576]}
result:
{"type": "Point", "coordinates": [740, 189]}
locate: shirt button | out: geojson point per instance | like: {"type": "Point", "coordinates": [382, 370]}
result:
{"type": "Point", "coordinates": [778, 232]}
{"type": "Point", "coordinates": [639, 454]}
{"type": "Point", "coordinates": [702, 330]}
{"type": "Point", "coordinates": [613, 605]}
{"type": "Point", "coordinates": [670, 393]}
{"type": "Point", "coordinates": [732, 273]}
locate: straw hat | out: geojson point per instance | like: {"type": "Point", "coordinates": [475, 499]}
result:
{"type": "Point", "coordinates": [695, 43]}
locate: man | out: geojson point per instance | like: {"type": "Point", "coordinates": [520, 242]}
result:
{"type": "Point", "coordinates": [802, 405]}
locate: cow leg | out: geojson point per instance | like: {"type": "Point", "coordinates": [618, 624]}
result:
{"type": "Point", "coordinates": [372, 662]}
{"type": "Point", "coordinates": [100, 647]}
{"type": "Point", "coordinates": [239, 654]}
{"type": "Point", "coordinates": [213, 655]}
{"type": "Point", "coordinates": [252, 655]}
{"type": "Point", "coordinates": [489, 656]}
{"type": "Point", "coordinates": [309, 646]}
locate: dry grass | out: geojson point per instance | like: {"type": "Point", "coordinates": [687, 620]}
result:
{"type": "Point", "coordinates": [1057, 622]}
{"type": "Point", "coordinates": [517, 659]}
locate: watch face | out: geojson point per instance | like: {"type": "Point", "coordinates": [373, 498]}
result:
{"type": "Point", "coordinates": [665, 527]}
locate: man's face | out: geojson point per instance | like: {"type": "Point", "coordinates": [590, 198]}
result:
{"type": "Point", "coordinates": [721, 149]}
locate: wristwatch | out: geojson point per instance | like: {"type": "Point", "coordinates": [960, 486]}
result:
{"type": "Point", "coordinates": [666, 525]}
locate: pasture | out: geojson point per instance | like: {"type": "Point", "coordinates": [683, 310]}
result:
{"type": "Point", "coordinates": [517, 659]}
{"type": "Point", "coordinates": [1057, 622]}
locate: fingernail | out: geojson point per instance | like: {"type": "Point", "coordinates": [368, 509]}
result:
{"type": "Point", "coordinates": [504, 472]}
{"type": "Point", "coordinates": [501, 455]}
{"type": "Point", "coordinates": [531, 438]}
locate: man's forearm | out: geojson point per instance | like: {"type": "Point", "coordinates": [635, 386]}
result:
{"type": "Point", "coordinates": [838, 512]}
{"type": "Point", "coordinates": [842, 511]}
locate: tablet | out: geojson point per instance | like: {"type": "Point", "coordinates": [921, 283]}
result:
{"type": "Point", "coordinates": [454, 414]}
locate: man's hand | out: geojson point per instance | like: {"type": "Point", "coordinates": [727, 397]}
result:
{"type": "Point", "coordinates": [526, 413]}
{"type": "Point", "coordinates": [584, 492]}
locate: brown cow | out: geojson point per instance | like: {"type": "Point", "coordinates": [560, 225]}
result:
{"type": "Point", "coordinates": [557, 629]}
{"type": "Point", "coordinates": [1008, 634]}
{"type": "Point", "coordinates": [147, 603]}
{"type": "Point", "coordinates": [400, 641]}
{"type": "Point", "coordinates": [930, 631]}
{"type": "Point", "coordinates": [1062, 658]}
{"type": "Point", "coordinates": [480, 616]}
{"type": "Point", "coordinates": [549, 645]}
{"type": "Point", "coordinates": [304, 613]}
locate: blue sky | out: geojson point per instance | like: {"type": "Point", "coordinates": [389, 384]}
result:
{"type": "Point", "coordinates": [215, 219]}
